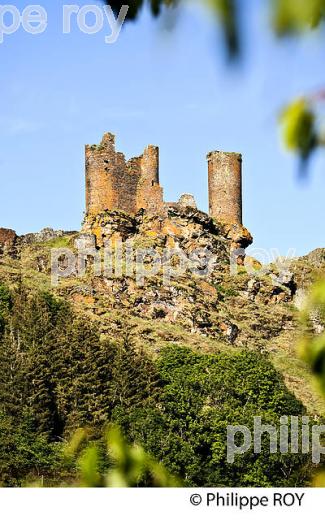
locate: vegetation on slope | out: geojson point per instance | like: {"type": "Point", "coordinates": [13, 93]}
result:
{"type": "Point", "coordinates": [57, 375]}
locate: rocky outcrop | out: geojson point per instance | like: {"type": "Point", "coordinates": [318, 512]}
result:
{"type": "Point", "coordinates": [215, 305]}
{"type": "Point", "coordinates": [8, 240]}
{"type": "Point", "coordinates": [316, 257]}
{"type": "Point", "coordinates": [44, 235]}
{"type": "Point", "coordinates": [183, 228]}
{"type": "Point", "coordinates": [12, 245]}
{"type": "Point", "coordinates": [247, 307]}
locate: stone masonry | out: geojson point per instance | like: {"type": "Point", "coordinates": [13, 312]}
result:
{"type": "Point", "coordinates": [225, 186]}
{"type": "Point", "coordinates": [112, 183]}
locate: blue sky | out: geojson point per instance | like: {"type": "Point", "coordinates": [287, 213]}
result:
{"type": "Point", "coordinates": [170, 88]}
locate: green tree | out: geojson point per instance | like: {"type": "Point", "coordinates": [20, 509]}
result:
{"type": "Point", "coordinates": [200, 395]}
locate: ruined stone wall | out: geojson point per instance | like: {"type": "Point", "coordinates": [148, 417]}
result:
{"type": "Point", "coordinates": [187, 200]}
{"type": "Point", "coordinates": [100, 174]}
{"type": "Point", "coordinates": [125, 183]}
{"type": "Point", "coordinates": [225, 186]}
{"type": "Point", "coordinates": [150, 193]}
{"type": "Point", "coordinates": [114, 184]}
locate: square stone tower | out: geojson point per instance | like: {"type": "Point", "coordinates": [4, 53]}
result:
{"type": "Point", "coordinates": [112, 183]}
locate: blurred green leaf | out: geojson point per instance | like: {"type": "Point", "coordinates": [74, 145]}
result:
{"type": "Point", "coordinates": [88, 465]}
{"type": "Point", "coordinates": [298, 128]}
{"type": "Point", "coordinates": [75, 443]}
{"type": "Point", "coordinates": [312, 344]}
{"type": "Point", "coordinates": [319, 480]}
{"type": "Point", "coordinates": [295, 16]}
{"type": "Point", "coordinates": [226, 11]}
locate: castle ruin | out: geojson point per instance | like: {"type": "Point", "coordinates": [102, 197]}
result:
{"type": "Point", "coordinates": [112, 183]}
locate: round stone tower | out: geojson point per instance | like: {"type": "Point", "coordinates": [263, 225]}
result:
{"type": "Point", "coordinates": [225, 186]}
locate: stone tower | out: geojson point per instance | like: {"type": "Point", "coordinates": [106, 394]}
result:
{"type": "Point", "coordinates": [112, 183]}
{"type": "Point", "coordinates": [225, 186]}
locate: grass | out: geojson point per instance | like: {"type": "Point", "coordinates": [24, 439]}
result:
{"type": "Point", "coordinates": [296, 373]}
{"type": "Point", "coordinates": [59, 242]}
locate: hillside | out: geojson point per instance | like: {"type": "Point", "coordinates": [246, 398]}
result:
{"type": "Point", "coordinates": [251, 308]}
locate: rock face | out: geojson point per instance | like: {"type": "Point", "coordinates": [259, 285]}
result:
{"type": "Point", "coordinates": [209, 302]}
{"type": "Point", "coordinates": [8, 239]}
{"type": "Point", "coordinates": [184, 227]}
